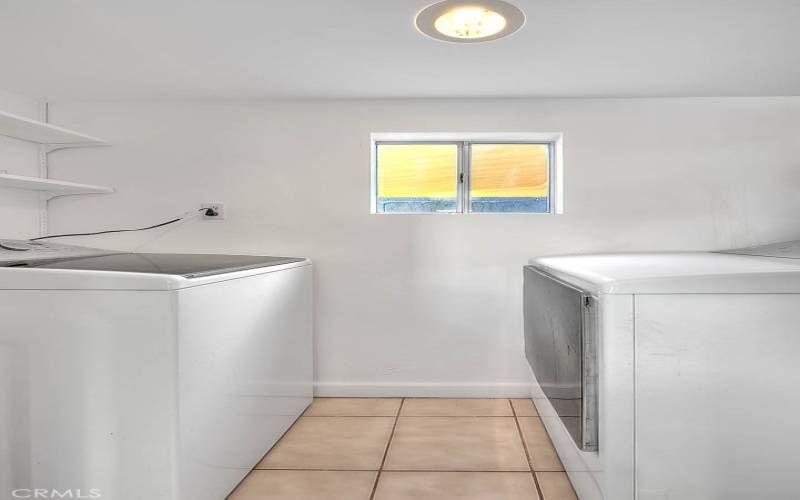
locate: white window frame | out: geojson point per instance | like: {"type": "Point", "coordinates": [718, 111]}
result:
{"type": "Point", "coordinates": [555, 175]}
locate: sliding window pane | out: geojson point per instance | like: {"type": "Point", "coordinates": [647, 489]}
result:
{"type": "Point", "coordinates": [417, 178]}
{"type": "Point", "coordinates": [510, 178]}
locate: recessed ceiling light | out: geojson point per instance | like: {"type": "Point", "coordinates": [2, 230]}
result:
{"type": "Point", "coordinates": [466, 21]}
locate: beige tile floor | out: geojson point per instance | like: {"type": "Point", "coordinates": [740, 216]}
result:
{"type": "Point", "coordinates": [411, 449]}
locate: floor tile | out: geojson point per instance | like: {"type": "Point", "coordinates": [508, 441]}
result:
{"type": "Point", "coordinates": [524, 408]}
{"type": "Point", "coordinates": [431, 407]}
{"type": "Point", "coordinates": [540, 448]}
{"type": "Point", "coordinates": [555, 486]}
{"type": "Point", "coordinates": [350, 443]}
{"type": "Point", "coordinates": [305, 485]}
{"type": "Point", "coordinates": [353, 407]}
{"type": "Point", "coordinates": [456, 486]}
{"type": "Point", "coordinates": [456, 444]}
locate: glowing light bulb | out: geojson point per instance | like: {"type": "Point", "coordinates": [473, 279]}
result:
{"type": "Point", "coordinates": [470, 22]}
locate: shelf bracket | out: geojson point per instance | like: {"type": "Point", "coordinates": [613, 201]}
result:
{"type": "Point", "coordinates": [49, 148]}
{"type": "Point", "coordinates": [44, 172]}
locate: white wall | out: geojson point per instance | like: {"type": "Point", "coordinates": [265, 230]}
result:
{"type": "Point", "coordinates": [430, 304]}
{"type": "Point", "coordinates": [19, 210]}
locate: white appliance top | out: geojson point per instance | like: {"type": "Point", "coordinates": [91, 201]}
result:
{"type": "Point", "coordinates": [31, 265]}
{"type": "Point", "coordinates": [751, 270]}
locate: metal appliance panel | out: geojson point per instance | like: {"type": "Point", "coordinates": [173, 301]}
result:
{"type": "Point", "coordinates": [560, 344]}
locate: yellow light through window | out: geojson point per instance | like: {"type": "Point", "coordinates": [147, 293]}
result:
{"type": "Point", "coordinates": [470, 22]}
{"type": "Point", "coordinates": [510, 170]}
{"type": "Point", "coordinates": [417, 171]}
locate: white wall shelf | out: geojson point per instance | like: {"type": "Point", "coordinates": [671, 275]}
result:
{"type": "Point", "coordinates": [39, 132]}
{"type": "Point", "coordinates": [52, 186]}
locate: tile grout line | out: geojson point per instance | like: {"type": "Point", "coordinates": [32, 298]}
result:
{"type": "Point", "coordinates": [527, 455]}
{"type": "Point", "coordinates": [391, 437]}
{"type": "Point", "coordinates": [386, 451]}
{"type": "Point", "coordinates": [476, 471]}
{"type": "Point", "coordinates": [410, 416]}
{"type": "Point", "coordinates": [255, 467]}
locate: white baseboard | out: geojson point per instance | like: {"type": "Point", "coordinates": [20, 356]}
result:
{"type": "Point", "coordinates": [420, 390]}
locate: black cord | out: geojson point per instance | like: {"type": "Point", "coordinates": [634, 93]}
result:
{"type": "Point", "coordinates": [118, 230]}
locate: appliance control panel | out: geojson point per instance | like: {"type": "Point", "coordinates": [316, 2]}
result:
{"type": "Point", "coordinates": [17, 252]}
{"type": "Point", "coordinates": [21, 245]}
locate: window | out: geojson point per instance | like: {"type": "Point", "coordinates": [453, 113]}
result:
{"type": "Point", "coordinates": [487, 173]}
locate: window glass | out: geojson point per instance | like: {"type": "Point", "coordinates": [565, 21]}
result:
{"type": "Point", "coordinates": [509, 178]}
{"type": "Point", "coordinates": [417, 178]}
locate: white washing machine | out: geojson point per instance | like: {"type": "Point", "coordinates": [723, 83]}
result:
{"type": "Point", "coordinates": [670, 376]}
{"type": "Point", "coordinates": [146, 376]}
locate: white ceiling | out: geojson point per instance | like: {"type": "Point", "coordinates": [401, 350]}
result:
{"type": "Point", "coordinates": [262, 49]}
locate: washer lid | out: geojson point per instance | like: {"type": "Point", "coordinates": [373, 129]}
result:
{"type": "Point", "coordinates": [186, 265]}
{"type": "Point", "coordinates": [678, 272]}
{"type": "Point", "coordinates": [785, 250]}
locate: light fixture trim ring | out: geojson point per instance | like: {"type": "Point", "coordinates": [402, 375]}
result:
{"type": "Point", "coordinates": [427, 17]}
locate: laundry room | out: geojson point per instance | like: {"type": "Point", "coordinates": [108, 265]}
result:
{"type": "Point", "coordinates": [456, 250]}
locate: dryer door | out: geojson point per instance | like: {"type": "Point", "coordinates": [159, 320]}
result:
{"type": "Point", "coordinates": [560, 344]}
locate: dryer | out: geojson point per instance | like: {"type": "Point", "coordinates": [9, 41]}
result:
{"type": "Point", "coordinates": [669, 375]}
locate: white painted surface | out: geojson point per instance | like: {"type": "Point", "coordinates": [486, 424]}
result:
{"type": "Point", "coordinates": [207, 49]}
{"type": "Point", "coordinates": [431, 303]}
{"type": "Point", "coordinates": [187, 389]}
{"type": "Point", "coordinates": [90, 383]}
{"type": "Point", "coordinates": [679, 272]}
{"type": "Point", "coordinates": [716, 380]}
{"type": "Point", "coordinates": [246, 369]}
{"type": "Point", "coordinates": [403, 321]}
{"type": "Point", "coordinates": [19, 210]}
{"type": "Point", "coordinates": [612, 466]}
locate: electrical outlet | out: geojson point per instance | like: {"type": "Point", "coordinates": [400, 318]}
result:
{"type": "Point", "coordinates": [217, 207]}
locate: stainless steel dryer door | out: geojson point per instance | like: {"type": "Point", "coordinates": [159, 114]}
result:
{"type": "Point", "coordinates": [560, 344]}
